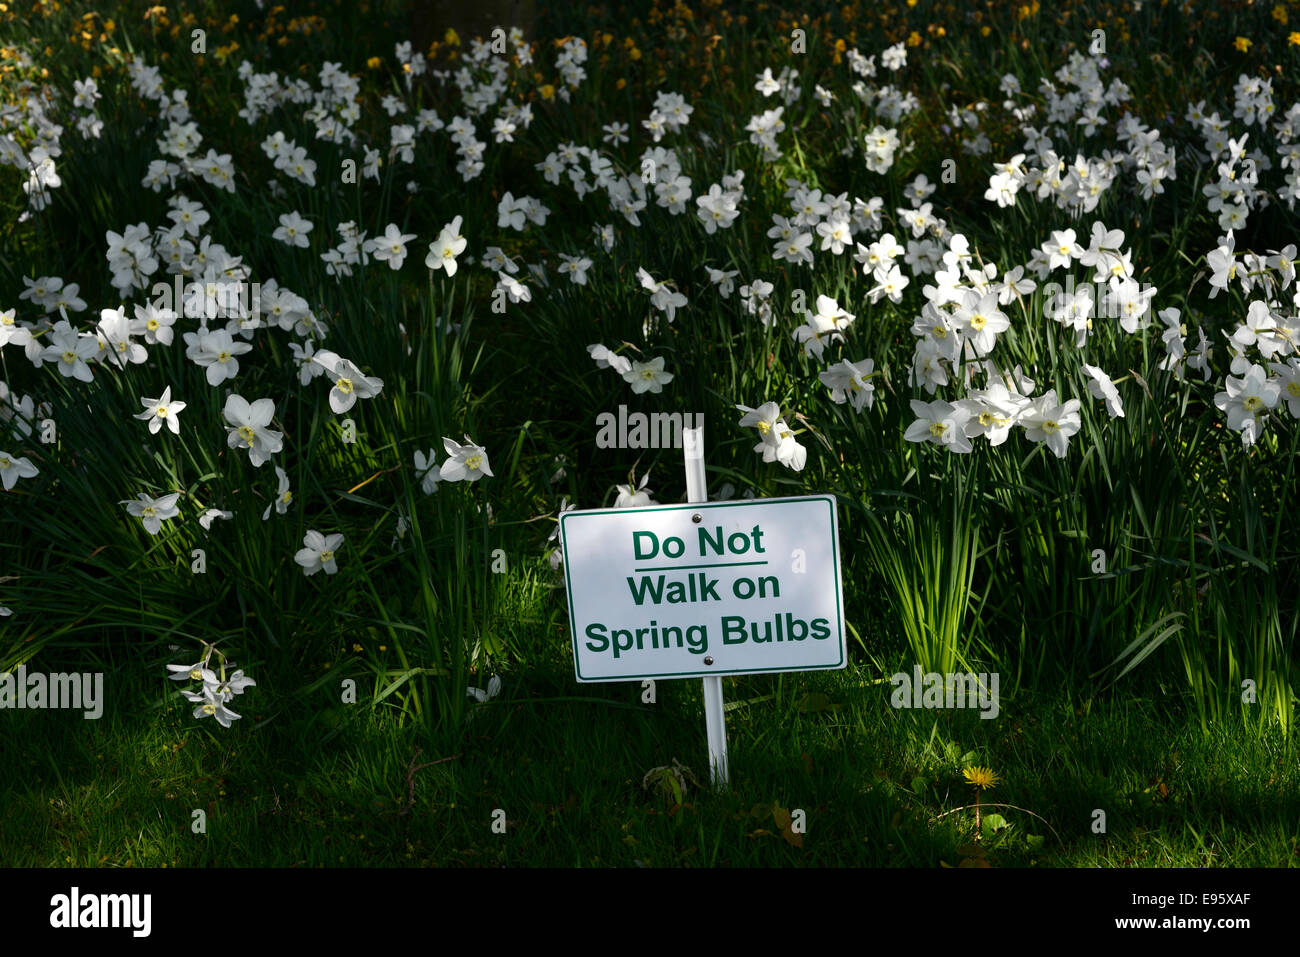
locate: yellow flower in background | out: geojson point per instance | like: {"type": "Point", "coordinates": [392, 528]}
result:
{"type": "Point", "coordinates": [1294, 39]}
{"type": "Point", "coordinates": [914, 39]}
{"type": "Point", "coordinates": [635, 54]}
{"type": "Point", "coordinates": [374, 63]}
{"type": "Point", "coordinates": [1242, 44]}
{"type": "Point", "coordinates": [451, 38]}
{"type": "Point", "coordinates": [1279, 13]}
{"type": "Point", "coordinates": [981, 778]}
{"type": "Point", "coordinates": [620, 84]}
{"type": "Point", "coordinates": [547, 91]}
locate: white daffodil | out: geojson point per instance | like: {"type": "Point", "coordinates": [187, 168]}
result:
{"type": "Point", "coordinates": [318, 552]}
{"type": "Point", "coordinates": [940, 423]}
{"type": "Point", "coordinates": [12, 469]}
{"type": "Point", "coordinates": [293, 230]}
{"type": "Point", "coordinates": [1247, 402]}
{"type": "Point", "coordinates": [198, 671]}
{"type": "Point", "coordinates": [234, 685]}
{"type": "Point", "coordinates": [778, 442]}
{"type": "Point", "coordinates": [153, 511]}
{"type": "Point", "coordinates": [1100, 385]}
{"type": "Point", "coordinates": [848, 382]}
{"type": "Point", "coordinates": [248, 428]}
{"type": "Point", "coordinates": [391, 247]}
{"type": "Point", "coordinates": [648, 376]}
{"type": "Point", "coordinates": [1052, 422]}
{"type": "Point", "coordinates": [427, 469]}
{"type": "Point", "coordinates": [213, 706]}
{"type": "Point", "coordinates": [482, 696]}
{"type": "Point", "coordinates": [162, 410]}
{"type": "Point", "coordinates": [468, 462]}
{"type": "Point", "coordinates": [634, 495]}
{"type": "Point", "coordinates": [213, 513]}
{"type": "Point", "coordinates": [349, 382]}
{"type": "Point", "coordinates": [607, 359]}
{"type": "Point", "coordinates": [444, 250]}
{"type": "Point", "coordinates": [71, 351]}
{"type": "Point", "coordinates": [216, 351]}
{"type": "Point", "coordinates": [1289, 384]}
{"type": "Point", "coordinates": [283, 496]}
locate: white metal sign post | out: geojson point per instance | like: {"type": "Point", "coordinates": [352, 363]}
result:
{"type": "Point", "coordinates": [704, 589]}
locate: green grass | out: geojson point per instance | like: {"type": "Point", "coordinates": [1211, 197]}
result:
{"type": "Point", "coordinates": [327, 785]}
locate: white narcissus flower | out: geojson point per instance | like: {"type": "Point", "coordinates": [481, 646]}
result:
{"type": "Point", "coordinates": [391, 247]}
{"type": "Point", "coordinates": [648, 376]}
{"type": "Point", "coordinates": [444, 250]}
{"type": "Point", "coordinates": [778, 442]}
{"type": "Point", "coordinates": [1100, 386]}
{"type": "Point", "coordinates": [349, 382]}
{"type": "Point", "coordinates": [481, 696]}
{"type": "Point", "coordinates": [248, 428]}
{"type": "Point", "coordinates": [114, 330]}
{"type": "Point", "coordinates": [216, 351]}
{"type": "Point", "coordinates": [427, 469]}
{"type": "Point", "coordinates": [206, 518]}
{"type": "Point", "coordinates": [634, 497]}
{"type": "Point", "coordinates": [160, 410]}
{"type": "Point", "coordinates": [1247, 401]}
{"type": "Point", "coordinates": [198, 671]}
{"type": "Point", "coordinates": [283, 496]}
{"type": "Point", "coordinates": [848, 383]}
{"type": "Point", "coordinates": [606, 359]}
{"type": "Point", "coordinates": [153, 511]}
{"type": "Point", "coordinates": [1289, 384]}
{"type": "Point", "coordinates": [71, 351]}
{"type": "Point", "coordinates": [468, 462]}
{"type": "Point", "coordinates": [213, 705]}
{"type": "Point", "coordinates": [1052, 422]}
{"type": "Point", "coordinates": [940, 423]}
{"type": "Point", "coordinates": [234, 685]}
{"type": "Point", "coordinates": [293, 230]}
{"type": "Point", "coordinates": [318, 552]}
{"type": "Point", "coordinates": [12, 469]}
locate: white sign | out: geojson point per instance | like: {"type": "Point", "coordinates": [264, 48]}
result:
{"type": "Point", "coordinates": [704, 589]}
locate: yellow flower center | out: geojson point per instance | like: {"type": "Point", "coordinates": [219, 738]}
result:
{"type": "Point", "coordinates": [69, 357]}
{"type": "Point", "coordinates": [938, 429]}
{"type": "Point", "coordinates": [764, 427]}
{"type": "Point", "coordinates": [223, 356]}
{"type": "Point", "coordinates": [473, 462]}
{"type": "Point", "coordinates": [326, 556]}
{"type": "Point", "coordinates": [247, 434]}
{"type": "Point", "coordinates": [1252, 403]}
{"type": "Point", "coordinates": [1293, 388]}
{"type": "Point", "coordinates": [344, 385]}
{"type": "Point", "coordinates": [978, 322]}
{"type": "Point", "coordinates": [1051, 426]}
